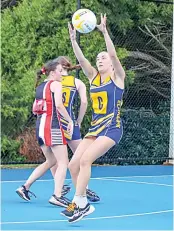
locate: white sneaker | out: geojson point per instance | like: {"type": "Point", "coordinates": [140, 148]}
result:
{"type": "Point", "coordinates": [59, 201]}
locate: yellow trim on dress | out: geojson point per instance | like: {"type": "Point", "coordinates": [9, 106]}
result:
{"type": "Point", "coordinates": [93, 123]}
{"type": "Point", "coordinates": [97, 80]}
{"type": "Point", "coordinates": [68, 81]}
{"type": "Point", "coordinates": [63, 121]}
{"type": "Point", "coordinates": [66, 134]}
{"type": "Point", "coordinates": [98, 131]}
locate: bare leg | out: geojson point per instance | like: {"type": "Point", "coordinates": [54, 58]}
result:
{"type": "Point", "coordinates": [73, 146]}
{"type": "Point", "coordinates": [61, 154]}
{"type": "Point", "coordinates": [53, 169]}
{"type": "Point", "coordinates": [98, 148]}
{"type": "Point", "coordinates": [74, 165]}
{"type": "Point", "coordinates": [41, 169]}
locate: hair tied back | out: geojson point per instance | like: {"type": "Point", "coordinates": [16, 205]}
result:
{"type": "Point", "coordinates": [43, 70]}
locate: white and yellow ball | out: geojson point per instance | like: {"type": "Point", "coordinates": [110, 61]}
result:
{"type": "Point", "coordinates": [84, 21]}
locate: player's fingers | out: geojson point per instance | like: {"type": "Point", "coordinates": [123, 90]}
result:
{"type": "Point", "coordinates": [101, 16]}
{"type": "Point", "coordinates": [105, 18]}
{"type": "Point", "coordinates": [69, 27]}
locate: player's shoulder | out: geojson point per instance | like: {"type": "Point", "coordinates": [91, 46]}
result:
{"type": "Point", "coordinates": [54, 85]}
{"type": "Point", "coordinates": [79, 83]}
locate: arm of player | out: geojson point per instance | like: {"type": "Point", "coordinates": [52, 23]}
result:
{"type": "Point", "coordinates": [33, 108]}
{"type": "Point", "coordinates": [88, 70]}
{"type": "Point", "coordinates": [56, 88]}
{"type": "Point", "coordinates": [83, 100]}
{"type": "Point", "coordinates": [119, 71]}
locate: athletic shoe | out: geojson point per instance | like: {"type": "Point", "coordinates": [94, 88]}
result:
{"type": "Point", "coordinates": [79, 213]}
{"type": "Point", "coordinates": [59, 201]}
{"type": "Point", "coordinates": [92, 196]}
{"type": "Point", "coordinates": [24, 194]}
{"type": "Point", "coordinates": [69, 211]}
{"type": "Point", "coordinates": [65, 189]}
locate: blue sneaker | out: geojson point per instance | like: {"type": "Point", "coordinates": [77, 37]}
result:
{"type": "Point", "coordinates": [24, 194]}
{"type": "Point", "coordinates": [92, 196]}
{"type": "Point", "coordinates": [66, 189]}
{"type": "Point", "coordinates": [79, 213]}
{"type": "Point", "coordinates": [69, 211]}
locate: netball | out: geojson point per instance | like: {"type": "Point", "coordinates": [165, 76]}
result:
{"type": "Point", "coordinates": [84, 21]}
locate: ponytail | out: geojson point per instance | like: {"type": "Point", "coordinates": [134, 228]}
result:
{"type": "Point", "coordinates": [66, 63]}
{"type": "Point", "coordinates": [38, 77]}
{"type": "Point", "coordinates": [45, 70]}
{"type": "Point", "coordinates": [75, 67]}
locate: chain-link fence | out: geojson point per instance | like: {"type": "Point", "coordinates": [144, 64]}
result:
{"type": "Point", "coordinates": [145, 50]}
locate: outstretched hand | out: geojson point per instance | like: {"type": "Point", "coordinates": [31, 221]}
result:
{"type": "Point", "coordinates": [72, 32]}
{"type": "Point", "coordinates": [102, 26]}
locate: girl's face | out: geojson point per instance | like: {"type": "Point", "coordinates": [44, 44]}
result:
{"type": "Point", "coordinates": [103, 62]}
{"type": "Point", "coordinates": [57, 73]}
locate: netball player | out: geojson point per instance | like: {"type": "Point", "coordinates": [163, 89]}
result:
{"type": "Point", "coordinates": [48, 106]}
{"type": "Point", "coordinates": [71, 87]}
{"type": "Point", "coordinates": [106, 91]}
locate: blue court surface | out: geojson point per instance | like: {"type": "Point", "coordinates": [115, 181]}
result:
{"type": "Point", "coordinates": [132, 198]}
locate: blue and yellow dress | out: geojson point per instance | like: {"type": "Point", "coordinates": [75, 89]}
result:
{"type": "Point", "coordinates": [69, 93]}
{"type": "Point", "coordinates": [106, 100]}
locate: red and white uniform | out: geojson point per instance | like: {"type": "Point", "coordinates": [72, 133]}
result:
{"type": "Point", "coordinates": [48, 126]}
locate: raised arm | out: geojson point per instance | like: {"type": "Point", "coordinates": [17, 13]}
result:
{"type": "Point", "coordinates": [119, 71]}
{"type": "Point", "coordinates": [83, 100]}
{"type": "Point", "coordinates": [88, 70]}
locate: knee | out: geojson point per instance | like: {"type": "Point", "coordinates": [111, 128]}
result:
{"type": "Point", "coordinates": [63, 163]}
{"type": "Point", "coordinates": [74, 166]}
{"type": "Point", "coordinates": [85, 162]}
{"type": "Point", "coordinates": [51, 162]}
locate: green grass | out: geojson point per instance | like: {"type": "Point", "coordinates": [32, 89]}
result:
{"type": "Point", "coordinates": [18, 166]}
{"type": "Point", "coordinates": [9, 166]}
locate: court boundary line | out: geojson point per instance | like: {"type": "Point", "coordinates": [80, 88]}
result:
{"type": "Point", "coordinates": [92, 178]}
{"type": "Point", "coordinates": [138, 182]}
{"type": "Point", "coordinates": [90, 218]}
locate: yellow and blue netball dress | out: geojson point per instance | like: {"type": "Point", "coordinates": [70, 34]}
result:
{"type": "Point", "coordinates": [69, 93]}
{"type": "Point", "coordinates": [48, 126]}
{"type": "Point", "coordinates": [106, 100]}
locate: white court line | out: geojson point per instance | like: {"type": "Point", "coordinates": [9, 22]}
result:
{"type": "Point", "coordinates": [137, 182]}
{"type": "Point", "coordinates": [137, 176]}
{"type": "Point", "coordinates": [93, 178]}
{"type": "Point", "coordinates": [90, 218]}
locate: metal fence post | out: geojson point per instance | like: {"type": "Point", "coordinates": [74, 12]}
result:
{"type": "Point", "coordinates": [77, 71]}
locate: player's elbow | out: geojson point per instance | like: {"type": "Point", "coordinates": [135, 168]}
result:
{"type": "Point", "coordinates": [59, 106]}
{"type": "Point", "coordinates": [84, 102]}
{"type": "Point", "coordinates": [122, 75]}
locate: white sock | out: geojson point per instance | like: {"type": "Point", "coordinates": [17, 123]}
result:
{"type": "Point", "coordinates": [80, 201]}
{"type": "Point", "coordinates": [87, 187]}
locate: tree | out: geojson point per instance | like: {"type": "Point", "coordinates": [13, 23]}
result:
{"type": "Point", "coordinates": [36, 31]}
{"type": "Point", "coordinates": [153, 67]}
{"type": "Point", "coordinates": [9, 3]}
{"type": "Point", "coordinates": [145, 30]}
